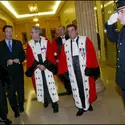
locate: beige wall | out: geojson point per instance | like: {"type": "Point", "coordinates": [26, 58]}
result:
{"type": "Point", "coordinates": [67, 13]}
{"type": "Point", "coordinates": [2, 23]}
{"type": "Point", "coordinates": [8, 19]}
{"type": "Point", "coordinates": [108, 49]}
{"type": "Point", "coordinates": [48, 24]}
{"type": "Point", "coordinates": [66, 16]}
{"type": "Point", "coordinates": [100, 30]}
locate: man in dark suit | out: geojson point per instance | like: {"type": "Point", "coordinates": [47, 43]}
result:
{"type": "Point", "coordinates": [57, 46]}
{"type": "Point", "coordinates": [11, 57]}
{"type": "Point", "coordinates": [3, 100]}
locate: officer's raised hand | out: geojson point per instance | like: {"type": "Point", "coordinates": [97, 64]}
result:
{"type": "Point", "coordinates": [113, 19]}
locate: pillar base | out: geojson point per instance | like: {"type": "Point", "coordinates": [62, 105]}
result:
{"type": "Point", "coordinates": [99, 85]}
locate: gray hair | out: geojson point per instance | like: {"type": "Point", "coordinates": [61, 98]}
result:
{"type": "Point", "coordinates": [37, 29]}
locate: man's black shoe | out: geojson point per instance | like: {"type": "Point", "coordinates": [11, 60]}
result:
{"type": "Point", "coordinates": [80, 112]}
{"type": "Point", "coordinates": [17, 114]}
{"type": "Point", "coordinates": [90, 108]}
{"type": "Point", "coordinates": [6, 121]}
{"type": "Point", "coordinates": [45, 105]}
{"type": "Point", "coordinates": [55, 110]}
{"type": "Point", "coordinates": [21, 109]}
{"type": "Point", "coordinates": [55, 107]}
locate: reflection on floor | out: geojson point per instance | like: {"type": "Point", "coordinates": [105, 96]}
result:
{"type": "Point", "coordinates": [108, 108]}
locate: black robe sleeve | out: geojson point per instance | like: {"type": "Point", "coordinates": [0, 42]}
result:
{"type": "Point", "coordinates": [93, 72]}
{"type": "Point", "coordinates": [31, 69]}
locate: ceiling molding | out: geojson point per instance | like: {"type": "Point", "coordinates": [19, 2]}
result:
{"type": "Point", "coordinates": [108, 3]}
{"type": "Point", "coordinates": [50, 17]}
{"type": "Point", "coordinates": [10, 8]}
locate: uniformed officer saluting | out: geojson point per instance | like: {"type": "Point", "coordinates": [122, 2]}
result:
{"type": "Point", "coordinates": [119, 37]}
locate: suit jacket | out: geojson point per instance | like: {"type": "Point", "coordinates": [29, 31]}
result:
{"type": "Point", "coordinates": [17, 52]}
{"type": "Point", "coordinates": [59, 42]}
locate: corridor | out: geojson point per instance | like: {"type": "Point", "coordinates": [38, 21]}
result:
{"type": "Point", "coordinates": [108, 108]}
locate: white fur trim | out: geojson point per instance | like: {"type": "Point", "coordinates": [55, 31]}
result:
{"type": "Point", "coordinates": [38, 76]}
{"type": "Point", "coordinates": [82, 59]}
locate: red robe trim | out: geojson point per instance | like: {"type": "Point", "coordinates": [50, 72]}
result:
{"type": "Point", "coordinates": [91, 62]}
{"type": "Point", "coordinates": [30, 58]}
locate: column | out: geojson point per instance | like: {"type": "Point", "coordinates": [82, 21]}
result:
{"type": "Point", "coordinates": [101, 29]}
{"type": "Point", "coordinates": [48, 32]}
{"type": "Point", "coordinates": [85, 17]}
{"type": "Point", "coordinates": [28, 28]}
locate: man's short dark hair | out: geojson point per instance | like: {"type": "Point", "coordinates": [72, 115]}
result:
{"type": "Point", "coordinates": [7, 26]}
{"type": "Point", "coordinates": [72, 25]}
{"type": "Point", "coordinates": [62, 27]}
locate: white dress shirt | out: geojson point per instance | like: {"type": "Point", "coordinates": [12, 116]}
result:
{"type": "Point", "coordinates": [63, 39]}
{"type": "Point", "coordinates": [75, 48]}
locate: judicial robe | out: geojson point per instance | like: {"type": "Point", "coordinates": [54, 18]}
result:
{"type": "Point", "coordinates": [45, 51]}
{"type": "Point", "coordinates": [82, 70]}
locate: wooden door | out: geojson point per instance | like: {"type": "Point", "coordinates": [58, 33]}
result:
{"type": "Point", "coordinates": [2, 23]}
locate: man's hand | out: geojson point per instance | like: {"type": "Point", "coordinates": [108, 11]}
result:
{"type": "Point", "coordinates": [10, 62]}
{"type": "Point", "coordinates": [41, 67]}
{"type": "Point", "coordinates": [113, 19]}
{"type": "Point", "coordinates": [16, 61]}
{"type": "Point", "coordinates": [57, 61]}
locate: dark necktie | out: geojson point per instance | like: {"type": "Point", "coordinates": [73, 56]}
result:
{"type": "Point", "coordinates": [37, 41]}
{"type": "Point", "coordinates": [10, 46]}
{"type": "Point", "coordinates": [63, 37]}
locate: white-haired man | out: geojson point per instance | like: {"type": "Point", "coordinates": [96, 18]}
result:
{"type": "Point", "coordinates": [39, 58]}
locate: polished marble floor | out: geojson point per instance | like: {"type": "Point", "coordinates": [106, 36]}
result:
{"type": "Point", "coordinates": [108, 108]}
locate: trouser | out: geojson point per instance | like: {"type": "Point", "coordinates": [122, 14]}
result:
{"type": "Point", "coordinates": [123, 94]}
{"type": "Point", "coordinates": [65, 79]}
{"type": "Point", "coordinates": [3, 102]}
{"type": "Point", "coordinates": [16, 85]}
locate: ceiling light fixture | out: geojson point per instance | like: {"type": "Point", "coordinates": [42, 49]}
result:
{"type": "Point", "coordinates": [108, 3]}
{"type": "Point", "coordinates": [33, 7]}
{"type": "Point", "coordinates": [9, 7]}
{"type": "Point", "coordinates": [35, 19]}
{"type": "Point", "coordinates": [95, 8]}
{"type": "Point", "coordinates": [37, 24]}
